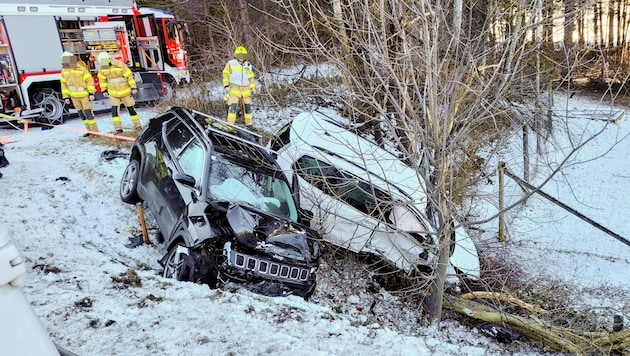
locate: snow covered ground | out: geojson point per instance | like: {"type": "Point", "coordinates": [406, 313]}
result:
{"type": "Point", "coordinates": [60, 201]}
{"type": "Point", "coordinates": [549, 239]}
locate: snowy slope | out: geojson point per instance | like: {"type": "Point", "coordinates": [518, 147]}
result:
{"type": "Point", "coordinates": [60, 200]}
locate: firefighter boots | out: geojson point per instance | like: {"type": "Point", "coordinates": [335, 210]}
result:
{"type": "Point", "coordinates": [117, 125]}
{"type": "Point", "coordinates": [136, 122]}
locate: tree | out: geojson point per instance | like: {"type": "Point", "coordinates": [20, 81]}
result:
{"type": "Point", "coordinates": [430, 80]}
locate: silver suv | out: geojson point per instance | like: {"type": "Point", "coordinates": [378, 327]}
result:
{"type": "Point", "coordinates": [223, 206]}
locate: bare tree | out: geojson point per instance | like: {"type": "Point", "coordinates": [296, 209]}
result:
{"type": "Point", "coordinates": [431, 81]}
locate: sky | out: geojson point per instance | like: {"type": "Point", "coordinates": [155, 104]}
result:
{"type": "Point", "coordinates": [61, 204]}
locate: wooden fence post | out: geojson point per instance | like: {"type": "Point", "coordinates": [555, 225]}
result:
{"type": "Point", "coordinates": [501, 169]}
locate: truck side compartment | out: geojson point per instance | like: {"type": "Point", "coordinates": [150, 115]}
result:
{"type": "Point", "coordinates": [34, 34]}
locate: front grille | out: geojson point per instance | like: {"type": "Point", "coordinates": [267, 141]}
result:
{"type": "Point", "coordinates": [265, 268]}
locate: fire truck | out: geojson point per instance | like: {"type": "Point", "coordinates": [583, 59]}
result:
{"type": "Point", "coordinates": [33, 35]}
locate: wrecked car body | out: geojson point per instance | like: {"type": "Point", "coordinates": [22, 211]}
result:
{"type": "Point", "coordinates": [223, 206]}
{"type": "Point", "coordinates": [364, 198]}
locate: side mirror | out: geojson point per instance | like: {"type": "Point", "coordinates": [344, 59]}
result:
{"type": "Point", "coordinates": [185, 179]}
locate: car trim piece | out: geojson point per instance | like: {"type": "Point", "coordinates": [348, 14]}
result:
{"type": "Point", "coordinates": [264, 267]}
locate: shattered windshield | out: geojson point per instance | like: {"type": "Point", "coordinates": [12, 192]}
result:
{"type": "Point", "coordinates": [259, 190]}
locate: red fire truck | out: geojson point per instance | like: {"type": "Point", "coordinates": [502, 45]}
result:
{"type": "Point", "coordinates": [34, 34]}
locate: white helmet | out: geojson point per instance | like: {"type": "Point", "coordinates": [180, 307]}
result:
{"type": "Point", "coordinates": [104, 58]}
{"type": "Point", "coordinates": [66, 54]}
{"type": "Point", "coordinates": [68, 60]}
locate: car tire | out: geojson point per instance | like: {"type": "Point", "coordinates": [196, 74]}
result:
{"type": "Point", "coordinates": [175, 266]}
{"type": "Point", "coordinates": [129, 183]}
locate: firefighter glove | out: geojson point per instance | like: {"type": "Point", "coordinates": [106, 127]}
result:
{"type": "Point", "coordinates": [253, 90]}
{"type": "Point", "coordinates": [227, 89]}
{"type": "Point", "coordinates": [134, 91]}
{"type": "Point", "coordinates": [91, 97]}
{"type": "Point", "coordinates": [105, 94]}
{"type": "Point", "coordinates": [66, 101]}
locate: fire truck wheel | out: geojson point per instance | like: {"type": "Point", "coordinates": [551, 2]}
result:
{"type": "Point", "coordinates": [169, 89]}
{"type": "Point", "coordinates": [55, 111]}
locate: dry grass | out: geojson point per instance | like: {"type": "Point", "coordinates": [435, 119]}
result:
{"type": "Point", "coordinates": [193, 96]}
{"type": "Point", "coordinates": [113, 142]}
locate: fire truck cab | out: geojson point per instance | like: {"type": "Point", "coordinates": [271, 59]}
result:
{"type": "Point", "coordinates": [33, 35]}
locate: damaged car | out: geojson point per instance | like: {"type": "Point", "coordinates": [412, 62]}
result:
{"type": "Point", "coordinates": [222, 204]}
{"type": "Point", "coordinates": [366, 199]}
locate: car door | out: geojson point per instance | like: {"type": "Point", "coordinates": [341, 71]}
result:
{"type": "Point", "coordinates": [335, 201]}
{"type": "Point", "coordinates": [359, 216]}
{"type": "Point", "coordinates": [168, 203]}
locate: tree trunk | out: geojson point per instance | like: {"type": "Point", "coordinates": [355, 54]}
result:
{"type": "Point", "coordinates": [580, 29]}
{"type": "Point", "coordinates": [569, 22]}
{"type": "Point", "coordinates": [620, 23]}
{"type": "Point", "coordinates": [245, 24]}
{"type": "Point", "coordinates": [611, 23]}
{"type": "Point", "coordinates": [600, 20]}
{"type": "Point", "coordinates": [457, 17]}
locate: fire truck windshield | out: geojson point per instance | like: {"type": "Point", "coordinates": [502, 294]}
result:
{"type": "Point", "coordinates": [178, 31]}
{"type": "Point", "coordinates": [176, 37]}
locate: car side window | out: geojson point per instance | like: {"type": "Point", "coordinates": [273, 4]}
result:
{"type": "Point", "coordinates": [186, 149]}
{"type": "Point", "coordinates": [281, 138]}
{"type": "Point", "coordinates": [344, 186]}
{"type": "Point", "coordinates": [191, 160]}
{"type": "Point", "coordinates": [178, 137]}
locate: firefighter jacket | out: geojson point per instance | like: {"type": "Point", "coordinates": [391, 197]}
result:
{"type": "Point", "coordinates": [116, 79]}
{"type": "Point", "coordinates": [76, 82]}
{"type": "Point", "coordinates": [238, 74]}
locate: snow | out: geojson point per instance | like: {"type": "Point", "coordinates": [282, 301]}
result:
{"type": "Point", "coordinates": [553, 241]}
{"type": "Point", "coordinates": [96, 296]}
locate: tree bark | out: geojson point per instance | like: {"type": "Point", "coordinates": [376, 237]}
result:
{"type": "Point", "coordinates": [245, 24]}
{"type": "Point", "coordinates": [611, 23]}
{"type": "Point", "coordinates": [569, 22]}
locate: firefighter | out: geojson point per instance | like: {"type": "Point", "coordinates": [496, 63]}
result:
{"type": "Point", "coordinates": [117, 83]}
{"type": "Point", "coordinates": [77, 85]}
{"type": "Point", "coordinates": [238, 80]}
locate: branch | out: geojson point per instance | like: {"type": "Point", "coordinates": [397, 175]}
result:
{"type": "Point", "coordinates": [555, 337]}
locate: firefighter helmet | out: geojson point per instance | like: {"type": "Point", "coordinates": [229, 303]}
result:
{"type": "Point", "coordinates": [68, 60]}
{"type": "Point", "coordinates": [104, 58]}
{"type": "Point", "coordinates": [241, 54]}
{"type": "Point", "coordinates": [66, 54]}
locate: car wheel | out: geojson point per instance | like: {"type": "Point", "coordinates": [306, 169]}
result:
{"type": "Point", "coordinates": [129, 183]}
{"type": "Point", "coordinates": [175, 266]}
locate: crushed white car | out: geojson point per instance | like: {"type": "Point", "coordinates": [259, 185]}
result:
{"type": "Point", "coordinates": [364, 198]}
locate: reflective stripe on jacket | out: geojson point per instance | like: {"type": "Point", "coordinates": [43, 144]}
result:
{"type": "Point", "coordinates": [76, 82]}
{"type": "Point", "coordinates": [117, 79]}
{"type": "Point", "coordinates": [238, 74]}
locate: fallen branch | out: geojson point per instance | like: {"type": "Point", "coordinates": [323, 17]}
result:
{"type": "Point", "coordinates": [504, 298]}
{"type": "Point", "coordinates": [555, 337]}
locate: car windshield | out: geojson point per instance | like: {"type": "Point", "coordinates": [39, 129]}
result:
{"type": "Point", "coordinates": [262, 191]}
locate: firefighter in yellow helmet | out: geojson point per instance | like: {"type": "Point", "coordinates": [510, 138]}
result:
{"type": "Point", "coordinates": [77, 85]}
{"type": "Point", "coordinates": [117, 83]}
{"type": "Point", "coordinates": [238, 80]}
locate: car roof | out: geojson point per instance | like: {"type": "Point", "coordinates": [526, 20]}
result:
{"type": "Point", "coordinates": [232, 142]}
{"type": "Point", "coordinates": [345, 149]}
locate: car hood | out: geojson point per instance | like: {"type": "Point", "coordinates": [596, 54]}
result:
{"type": "Point", "coordinates": [279, 238]}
